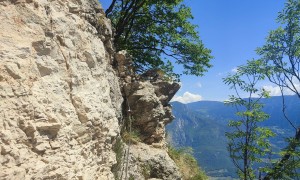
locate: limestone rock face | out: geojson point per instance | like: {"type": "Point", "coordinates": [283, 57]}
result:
{"type": "Point", "coordinates": [60, 99]}
{"type": "Point", "coordinates": [147, 162]}
{"type": "Point", "coordinates": [149, 105]}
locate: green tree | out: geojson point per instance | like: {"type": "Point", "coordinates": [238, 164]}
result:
{"type": "Point", "coordinates": [158, 33]}
{"type": "Point", "coordinates": [247, 142]}
{"type": "Point", "coordinates": [281, 58]}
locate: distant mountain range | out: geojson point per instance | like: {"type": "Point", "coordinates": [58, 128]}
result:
{"type": "Point", "coordinates": [202, 126]}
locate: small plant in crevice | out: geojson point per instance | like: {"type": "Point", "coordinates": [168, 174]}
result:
{"type": "Point", "coordinates": [186, 163]}
{"type": "Point", "coordinates": [146, 171]}
{"type": "Point", "coordinates": [129, 134]}
{"type": "Point", "coordinates": [132, 137]}
{"type": "Point", "coordinates": [131, 177]}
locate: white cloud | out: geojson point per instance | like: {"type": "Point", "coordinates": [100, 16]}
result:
{"type": "Point", "coordinates": [275, 90]}
{"type": "Point", "coordinates": [187, 97]}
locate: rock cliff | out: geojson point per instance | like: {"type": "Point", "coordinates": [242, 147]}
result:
{"type": "Point", "coordinates": [63, 104]}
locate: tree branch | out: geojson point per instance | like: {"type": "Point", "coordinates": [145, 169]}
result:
{"type": "Point", "coordinates": [109, 10]}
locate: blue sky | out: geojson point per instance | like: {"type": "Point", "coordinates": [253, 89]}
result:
{"type": "Point", "coordinates": [232, 29]}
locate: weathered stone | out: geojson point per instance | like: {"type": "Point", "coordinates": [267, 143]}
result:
{"type": "Point", "coordinates": [55, 144]}
{"type": "Point", "coordinates": [13, 70]}
{"type": "Point", "coordinates": [18, 1]}
{"type": "Point", "coordinates": [50, 129]}
{"type": "Point", "coordinates": [50, 97]}
{"type": "Point", "coordinates": [6, 90]}
{"type": "Point", "coordinates": [80, 109]}
{"type": "Point", "coordinates": [41, 48]}
{"type": "Point", "coordinates": [150, 111]}
{"type": "Point", "coordinates": [5, 150]}
{"type": "Point", "coordinates": [73, 8]}
{"type": "Point", "coordinates": [12, 173]}
{"type": "Point", "coordinates": [46, 67]}
{"type": "Point", "coordinates": [61, 98]}
{"type": "Point", "coordinates": [165, 90]}
{"type": "Point", "coordinates": [42, 147]}
{"type": "Point", "coordinates": [124, 64]}
{"type": "Point", "coordinates": [151, 162]}
{"type": "Point", "coordinates": [89, 59]}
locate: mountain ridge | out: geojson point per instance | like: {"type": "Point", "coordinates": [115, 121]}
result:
{"type": "Point", "coordinates": [202, 126]}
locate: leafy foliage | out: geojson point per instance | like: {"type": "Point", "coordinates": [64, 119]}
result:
{"type": "Point", "coordinates": [281, 58]}
{"type": "Point", "coordinates": [281, 53]}
{"type": "Point", "coordinates": [288, 166]}
{"type": "Point", "coordinates": [157, 32]}
{"type": "Point", "coordinates": [247, 142]}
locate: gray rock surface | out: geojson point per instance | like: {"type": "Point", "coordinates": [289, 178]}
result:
{"type": "Point", "coordinates": [147, 162]}
{"type": "Point", "coordinates": [150, 109]}
{"type": "Point", "coordinates": [146, 103]}
{"type": "Point", "coordinates": [61, 100]}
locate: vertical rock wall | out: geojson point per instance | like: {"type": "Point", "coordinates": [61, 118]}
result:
{"type": "Point", "coordinates": [147, 107]}
{"type": "Point", "coordinates": [60, 99]}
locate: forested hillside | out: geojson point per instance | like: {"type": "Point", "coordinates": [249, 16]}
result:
{"type": "Point", "coordinates": [202, 126]}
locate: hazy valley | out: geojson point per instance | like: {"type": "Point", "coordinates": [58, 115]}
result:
{"type": "Point", "coordinates": [202, 126]}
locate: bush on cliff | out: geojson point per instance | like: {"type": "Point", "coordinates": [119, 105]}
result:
{"type": "Point", "coordinates": [186, 163]}
{"type": "Point", "coordinates": [158, 33]}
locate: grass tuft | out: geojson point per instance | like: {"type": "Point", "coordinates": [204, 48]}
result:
{"type": "Point", "coordinates": [186, 163]}
{"type": "Point", "coordinates": [132, 137]}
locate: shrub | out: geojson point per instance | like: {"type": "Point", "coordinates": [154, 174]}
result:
{"type": "Point", "coordinates": [186, 163]}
